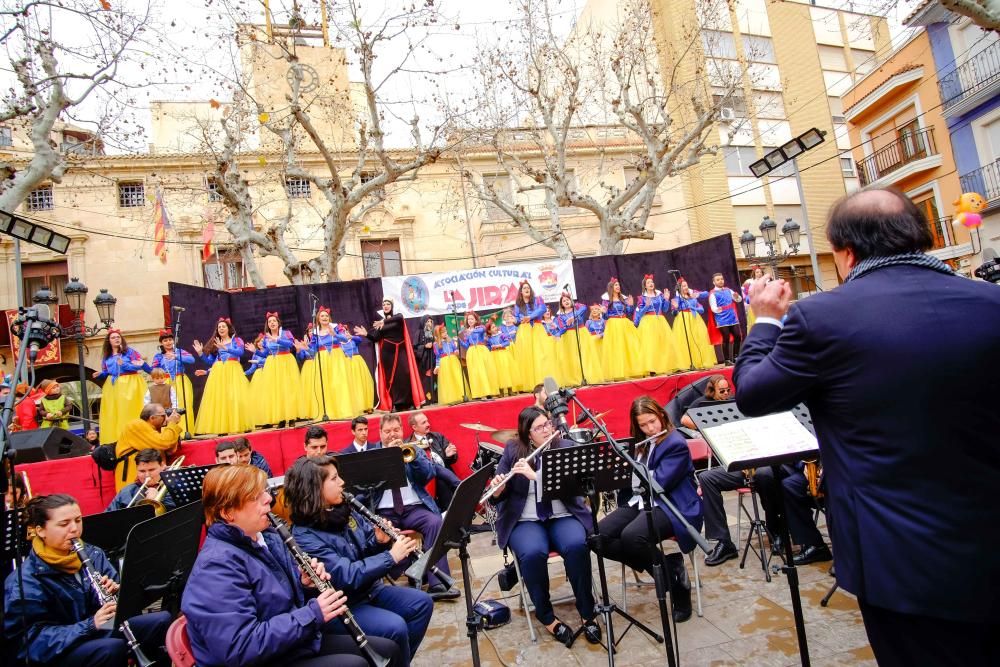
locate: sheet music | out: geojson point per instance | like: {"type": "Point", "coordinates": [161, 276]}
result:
{"type": "Point", "coordinates": [746, 442]}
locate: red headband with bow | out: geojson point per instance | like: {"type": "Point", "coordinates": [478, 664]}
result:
{"type": "Point", "coordinates": [323, 309]}
{"type": "Point", "coordinates": [648, 276]}
{"type": "Point", "coordinates": [114, 330]}
{"type": "Point", "coordinates": [166, 333]}
{"type": "Point", "coordinates": [225, 319]}
{"type": "Point", "coordinates": [269, 315]}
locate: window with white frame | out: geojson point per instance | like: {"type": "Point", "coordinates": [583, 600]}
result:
{"type": "Point", "coordinates": [131, 194]}
{"type": "Point", "coordinates": [758, 49]}
{"type": "Point", "coordinates": [297, 188]}
{"type": "Point", "coordinates": [738, 160]}
{"type": "Point", "coordinates": [6, 137]}
{"type": "Point", "coordinates": [40, 199]}
{"type": "Point", "coordinates": [224, 270]}
{"type": "Point", "coordinates": [718, 44]}
{"type": "Point", "coordinates": [847, 166]}
{"type": "Point", "coordinates": [212, 187]}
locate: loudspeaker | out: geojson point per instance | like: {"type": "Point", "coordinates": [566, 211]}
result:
{"type": "Point", "coordinates": [46, 444]}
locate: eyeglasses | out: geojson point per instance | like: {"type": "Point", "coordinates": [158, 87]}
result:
{"type": "Point", "coordinates": [542, 427]}
{"type": "Point", "coordinates": [722, 391]}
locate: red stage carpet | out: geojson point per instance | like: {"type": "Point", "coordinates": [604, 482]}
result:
{"type": "Point", "coordinates": [95, 488]}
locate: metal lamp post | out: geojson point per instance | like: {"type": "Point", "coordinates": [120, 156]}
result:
{"type": "Point", "coordinates": [769, 231]}
{"type": "Point", "coordinates": [76, 294]}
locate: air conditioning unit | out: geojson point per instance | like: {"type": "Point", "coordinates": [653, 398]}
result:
{"type": "Point", "coordinates": [727, 113]}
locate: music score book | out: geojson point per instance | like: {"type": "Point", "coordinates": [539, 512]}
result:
{"type": "Point", "coordinates": [750, 442]}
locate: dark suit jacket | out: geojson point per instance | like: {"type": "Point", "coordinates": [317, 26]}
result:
{"type": "Point", "coordinates": [438, 443]}
{"type": "Point", "coordinates": [898, 369]}
{"type": "Point", "coordinates": [419, 472]}
{"type": "Point", "coordinates": [510, 503]}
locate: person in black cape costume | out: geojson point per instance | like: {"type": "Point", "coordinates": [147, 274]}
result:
{"type": "Point", "coordinates": [424, 350]}
{"type": "Point", "coordinates": [397, 381]}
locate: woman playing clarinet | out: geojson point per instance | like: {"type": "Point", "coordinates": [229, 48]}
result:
{"type": "Point", "coordinates": [246, 602]}
{"type": "Point", "coordinates": [58, 619]}
{"type": "Point", "coordinates": [532, 528]}
{"type": "Point", "coordinates": [624, 534]}
{"type": "Point", "coordinates": [356, 554]}
{"type": "Point", "coordinates": [122, 392]}
{"type": "Point", "coordinates": [225, 402]}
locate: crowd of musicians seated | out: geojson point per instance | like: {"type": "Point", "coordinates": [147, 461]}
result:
{"type": "Point", "coordinates": [248, 601]}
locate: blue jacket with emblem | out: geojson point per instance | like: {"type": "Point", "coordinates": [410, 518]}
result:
{"type": "Point", "coordinates": [56, 611]}
{"type": "Point", "coordinates": [245, 604]}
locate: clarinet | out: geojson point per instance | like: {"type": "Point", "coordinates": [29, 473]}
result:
{"type": "Point", "coordinates": [104, 597]}
{"type": "Point", "coordinates": [303, 561]}
{"type": "Point", "coordinates": [387, 528]}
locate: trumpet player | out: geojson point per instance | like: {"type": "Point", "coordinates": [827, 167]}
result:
{"type": "Point", "coordinates": [411, 507]}
{"type": "Point", "coordinates": [356, 554]}
{"type": "Point", "coordinates": [148, 466]}
{"type": "Point", "coordinates": [532, 528]}
{"type": "Point", "coordinates": [246, 602]}
{"type": "Point", "coordinates": [52, 615]}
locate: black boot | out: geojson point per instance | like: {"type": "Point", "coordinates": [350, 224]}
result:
{"type": "Point", "coordinates": [680, 587]}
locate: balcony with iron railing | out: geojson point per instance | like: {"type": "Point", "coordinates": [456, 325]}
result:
{"type": "Point", "coordinates": [886, 164]}
{"type": "Point", "coordinates": [974, 81]}
{"type": "Point", "coordinates": [985, 181]}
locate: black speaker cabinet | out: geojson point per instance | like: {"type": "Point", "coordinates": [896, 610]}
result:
{"type": "Point", "coordinates": [46, 444]}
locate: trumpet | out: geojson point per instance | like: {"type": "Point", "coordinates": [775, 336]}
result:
{"type": "Point", "coordinates": [503, 479]}
{"type": "Point", "coordinates": [409, 450]}
{"type": "Point", "coordinates": [813, 473]}
{"type": "Point", "coordinates": [305, 563]}
{"type": "Point", "coordinates": [387, 528]}
{"type": "Point", "coordinates": [161, 492]}
{"type": "Point", "coordinates": [104, 597]}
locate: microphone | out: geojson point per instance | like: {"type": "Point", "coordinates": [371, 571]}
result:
{"type": "Point", "coordinates": [555, 404]}
{"type": "Point", "coordinates": [313, 297]}
{"type": "Point", "coordinates": [177, 309]}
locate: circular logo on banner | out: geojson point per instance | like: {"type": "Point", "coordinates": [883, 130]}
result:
{"type": "Point", "coordinates": [415, 294]}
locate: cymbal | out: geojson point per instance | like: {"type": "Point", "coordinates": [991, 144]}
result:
{"type": "Point", "coordinates": [598, 416]}
{"type": "Point", "coordinates": [479, 427]}
{"type": "Point", "coordinates": [503, 435]}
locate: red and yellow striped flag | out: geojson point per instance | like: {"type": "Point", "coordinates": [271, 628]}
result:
{"type": "Point", "coordinates": [207, 234]}
{"type": "Point", "coordinates": [162, 224]}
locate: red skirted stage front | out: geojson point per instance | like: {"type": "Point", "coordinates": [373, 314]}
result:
{"type": "Point", "coordinates": [95, 488]}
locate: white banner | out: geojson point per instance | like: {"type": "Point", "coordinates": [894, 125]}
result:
{"type": "Point", "coordinates": [488, 288]}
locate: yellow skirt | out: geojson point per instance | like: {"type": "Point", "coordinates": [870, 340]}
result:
{"type": "Point", "coordinates": [225, 404]}
{"type": "Point", "coordinates": [503, 361]}
{"type": "Point", "coordinates": [545, 354]}
{"type": "Point", "coordinates": [185, 399]}
{"type": "Point", "coordinates": [362, 385]}
{"type": "Point", "coordinates": [568, 359]}
{"type": "Point", "coordinates": [656, 345]}
{"type": "Point", "coordinates": [621, 349]}
{"type": "Point", "coordinates": [310, 389]}
{"type": "Point", "coordinates": [337, 386]}
{"type": "Point", "coordinates": [121, 402]}
{"type": "Point", "coordinates": [696, 330]}
{"type": "Point", "coordinates": [523, 352]}
{"type": "Point", "coordinates": [277, 398]}
{"type": "Point", "coordinates": [593, 366]}
{"type": "Point", "coordinates": [482, 372]}
{"type": "Point", "coordinates": [449, 379]}
{"type": "Point", "coordinates": [751, 318]}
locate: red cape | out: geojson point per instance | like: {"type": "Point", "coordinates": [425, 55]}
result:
{"type": "Point", "coordinates": [382, 387]}
{"type": "Point", "coordinates": [714, 337]}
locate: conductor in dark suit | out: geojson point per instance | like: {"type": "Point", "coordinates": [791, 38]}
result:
{"type": "Point", "coordinates": [911, 457]}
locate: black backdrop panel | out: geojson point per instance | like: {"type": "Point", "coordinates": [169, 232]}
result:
{"type": "Point", "coordinates": [357, 301]}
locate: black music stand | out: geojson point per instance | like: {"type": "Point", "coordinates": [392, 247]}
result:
{"type": "Point", "coordinates": [159, 555]}
{"type": "Point", "coordinates": [589, 470]}
{"type": "Point", "coordinates": [708, 417]}
{"type": "Point", "coordinates": [367, 473]}
{"type": "Point", "coordinates": [185, 484]}
{"type": "Point", "coordinates": [109, 530]}
{"type": "Point", "coordinates": [455, 534]}
{"type": "Point", "coordinates": [15, 542]}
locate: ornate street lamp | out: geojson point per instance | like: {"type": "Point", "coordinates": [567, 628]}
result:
{"type": "Point", "coordinates": [76, 294]}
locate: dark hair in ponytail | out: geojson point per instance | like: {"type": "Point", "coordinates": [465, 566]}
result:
{"type": "Point", "coordinates": [38, 508]}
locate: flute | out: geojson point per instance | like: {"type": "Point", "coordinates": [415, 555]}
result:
{"type": "Point", "coordinates": [304, 562]}
{"type": "Point", "coordinates": [503, 479]}
{"type": "Point", "coordinates": [104, 597]}
{"type": "Point", "coordinates": [387, 528]}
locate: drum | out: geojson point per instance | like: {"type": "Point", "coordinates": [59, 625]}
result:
{"type": "Point", "coordinates": [582, 436]}
{"type": "Point", "coordinates": [488, 453]}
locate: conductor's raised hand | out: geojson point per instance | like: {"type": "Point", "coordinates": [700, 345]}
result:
{"type": "Point", "coordinates": [770, 298]}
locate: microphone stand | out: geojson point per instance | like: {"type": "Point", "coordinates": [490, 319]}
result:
{"type": "Point", "coordinates": [579, 352]}
{"type": "Point", "coordinates": [650, 488]}
{"type": "Point", "coordinates": [680, 314]}
{"type": "Point", "coordinates": [465, 371]}
{"type": "Point", "coordinates": [319, 364]}
{"type": "Point", "coordinates": [179, 354]}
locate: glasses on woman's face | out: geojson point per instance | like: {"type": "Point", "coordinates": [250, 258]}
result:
{"type": "Point", "coordinates": [722, 391]}
{"type": "Point", "coordinates": [541, 428]}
